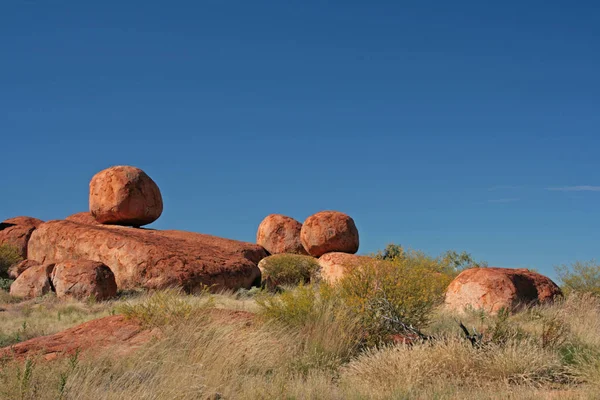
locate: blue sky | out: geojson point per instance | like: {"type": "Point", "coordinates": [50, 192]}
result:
{"type": "Point", "coordinates": [437, 125]}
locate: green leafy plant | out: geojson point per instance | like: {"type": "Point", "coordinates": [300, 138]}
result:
{"type": "Point", "coordinates": [581, 276]}
{"type": "Point", "coordinates": [288, 269]}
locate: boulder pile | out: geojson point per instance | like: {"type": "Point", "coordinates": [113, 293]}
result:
{"type": "Point", "coordinates": [97, 252]}
{"type": "Point", "coordinates": [327, 235]}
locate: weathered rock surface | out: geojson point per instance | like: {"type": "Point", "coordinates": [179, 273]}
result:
{"type": "Point", "coordinates": [492, 289]}
{"type": "Point", "coordinates": [17, 231]}
{"type": "Point", "coordinates": [18, 269]}
{"type": "Point", "coordinates": [82, 279]}
{"type": "Point", "coordinates": [83, 218]}
{"type": "Point", "coordinates": [124, 195]}
{"type": "Point", "coordinates": [150, 258]}
{"type": "Point", "coordinates": [329, 231]}
{"type": "Point", "coordinates": [280, 234]}
{"type": "Point", "coordinates": [116, 333]}
{"type": "Point", "coordinates": [287, 269]}
{"type": "Point", "coordinates": [334, 266]}
{"type": "Point", "coordinates": [33, 282]}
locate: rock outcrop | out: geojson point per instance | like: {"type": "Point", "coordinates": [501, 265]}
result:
{"type": "Point", "coordinates": [17, 269]}
{"type": "Point", "coordinates": [17, 231]}
{"type": "Point", "coordinates": [280, 234]}
{"type": "Point", "coordinates": [124, 195]}
{"type": "Point", "coordinates": [329, 231]}
{"type": "Point", "coordinates": [116, 333]}
{"type": "Point", "coordinates": [492, 289]}
{"type": "Point", "coordinates": [150, 258]}
{"type": "Point", "coordinates": [33, 282]}
{"type": "Point", "coordinates": [334, 266]}
{"type": "Point", "coordinates": [84, 217]}
{"type": "Point", "coordinates": [82, 279]}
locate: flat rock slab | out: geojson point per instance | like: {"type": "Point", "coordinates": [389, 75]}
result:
{"type": "Point", "coordinates": [150, 258]}
{"type": "Point", "coordinates": [116, 332]}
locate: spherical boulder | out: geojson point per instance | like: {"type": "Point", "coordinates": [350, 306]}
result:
{"type": "Point", "coordinates": [82, 279]}
{"type": "Point", "coordinates": [287, 269]}
{"type": "Point", "coordinates": [280, 234]}
{"type": "Point", "coordinates": [329, 231]}
{"type": "Point", "coordinates": [493, 289]}
{"type": "Point", "coordinates": [124, 195]}
{"type": "Point", "coordinates": [33, 282]}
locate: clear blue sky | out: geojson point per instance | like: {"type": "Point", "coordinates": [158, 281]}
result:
{"type": "Point", "coordinates": [434, 124]}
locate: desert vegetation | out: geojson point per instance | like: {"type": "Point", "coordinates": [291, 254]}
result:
{"type": "Point", "coordinates": [379, 333]}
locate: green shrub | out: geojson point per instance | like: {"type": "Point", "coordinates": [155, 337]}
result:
{"type": "Point", "coordinates": [288, 269]}
{"type": "Point", "coordinates": [404, 290]}
{"type": "Point", "coordinates": [9, 255]}
{"type": "Point", "coordinates": [450, 262]}
{"type": "Point", "coordinates": [581, 276]}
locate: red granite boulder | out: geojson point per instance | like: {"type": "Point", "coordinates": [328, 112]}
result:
{"type": "Point", "coordinates": [150, 258]}
{"type": "Point", "coordinates": [17, 231]}
{"type": "Point", "coordinates": [493, 289]}
{"type": "Point", "coordinates": [33, 282]}
{"type": "Point", "coordinates": [280, 234]}
{"type": "Point", "coordinates": [124, 195]}
{"type": "Point", "coordinates": [82, 279]}
{"type": "Point", "coordinates": [329, 231]}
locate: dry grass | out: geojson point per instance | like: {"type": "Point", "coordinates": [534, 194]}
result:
{"type": "Point", "coordinates": [548, 352]}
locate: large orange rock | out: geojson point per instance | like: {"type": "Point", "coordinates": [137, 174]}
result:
{"type": "Point", "coordinates": [83, 218]}
{"type": "Point", "coordinates": [17, 269]}
{"type": "Point", "coordinates": [17, 231]}
{"type": "Point", "coordinates": [492, 289]}
{"type": "Point", "coordinates": [150, 258]}
{"type": "Point", "coordinates": [334, 266]}
{"type": "Point", "coordinates": [124, 195]}
{"type": "Point", "coordinates": [82, 279]}
{"type": "Point", "coordinates": [329, 231]}
{"type": "Point", "coordinates": [280, 234]}
{"type": "Point", "coordinates": [33, 282]}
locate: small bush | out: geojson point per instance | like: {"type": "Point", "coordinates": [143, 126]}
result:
{"type": "Point", "coordinates": [160, 308]}
{"type": "Point", "coordinates": [288, 269]}
{"type": "Point", "coordinates": [409, 289]}
{"type": "Point", "coordinates": [9, 255]}
{"type": "Point", "coordinates": [581, 276]}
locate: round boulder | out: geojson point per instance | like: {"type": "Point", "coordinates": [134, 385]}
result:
{"type": "Point", "coordinates": [124, 195]}
{"type": "Point", "coordinates": [280, 234]}
{"type": "Point", "coordinates": [33, 282]}
{"type": "Point", "coordinates": [329, 231]}
{"type": "Point", "coordinates": [81, 279]}
{"type": "Point", "coordinates": [493, 289]}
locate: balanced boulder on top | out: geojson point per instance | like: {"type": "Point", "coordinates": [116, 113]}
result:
{"type": "Point", "coordinates": [329, 231]}
{"type": "Point", "coordinates": [280, 234]}
{"type": "Point", "coordinates": [124, 195]}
